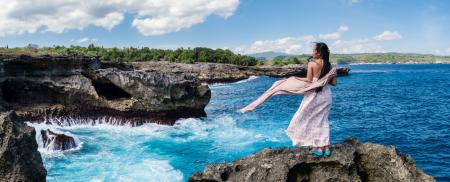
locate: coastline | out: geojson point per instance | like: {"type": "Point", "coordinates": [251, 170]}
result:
{"type": "Point", "coordinates": [398, 63]}
{"type": "Point", "coordinates": [220, 72]}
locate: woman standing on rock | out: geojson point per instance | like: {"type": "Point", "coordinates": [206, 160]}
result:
{"type": "Point", "coordinates": [309, 126]}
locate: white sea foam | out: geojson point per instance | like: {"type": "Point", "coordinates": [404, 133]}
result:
{"type": "Point", "coordinates": [126, 153]}
{"type": "Point", "coordinates": [222, 130]}
{"type": "Point", "coordinates": [73, 121]}
{"type": "Point", "coordinates": [47, 151]}
{"type": "Point", "coordinates": [221, 85]}
{"type": "Point", "coordinates": [150, 170]}
{"type": "Point", "coordinates": [247, 80]}
{"type": "Point", "coordinates": [145, 170]}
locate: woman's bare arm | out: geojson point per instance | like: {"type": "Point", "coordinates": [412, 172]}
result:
{"type": "Point", "coordinates": [333, 81]}
{"type": "Point", "coordinates": [309, 74]}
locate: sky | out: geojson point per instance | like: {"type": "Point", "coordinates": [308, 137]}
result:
{"type": "Point", "coordinates": [243, 26]}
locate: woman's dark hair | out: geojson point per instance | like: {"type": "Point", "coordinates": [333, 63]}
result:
{"type": "Point", "coordinates": [324, 53]}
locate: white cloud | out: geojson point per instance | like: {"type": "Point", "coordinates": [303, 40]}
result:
{"type": "Point", "coordinates": [334, 35]}
{"type": "Point", "coordinates": [343, 28]}
{"type": "Point", "coordinates": [303, 44]}
{"type": "Point", "coordinates": [351, 2]}
{"type": "Point", "coordinates": [286, 45]}
{"type": "Point", "coordinates": [152, 17]}
{"type": "Point", "coordinates": [86, 40]}
{"type": "Point", "coordinates": [442, 52]}
{"type": "Point", "coordinates": [355, 46]}
{"type": "Point", "coordinates": [388, 35]}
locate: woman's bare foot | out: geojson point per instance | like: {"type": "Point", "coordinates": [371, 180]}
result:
{"type": "Point", "coordinates": [319, 149]}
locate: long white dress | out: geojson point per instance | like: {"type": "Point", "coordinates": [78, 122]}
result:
{"type": "Point", "coordinates": [309, 125]}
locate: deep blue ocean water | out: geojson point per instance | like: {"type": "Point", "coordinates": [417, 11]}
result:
{"type": "Point", "coordinates": [403, 105]}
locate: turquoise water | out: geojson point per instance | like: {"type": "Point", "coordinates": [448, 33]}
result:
{"type": "Point", "coordinates": [403, 105]}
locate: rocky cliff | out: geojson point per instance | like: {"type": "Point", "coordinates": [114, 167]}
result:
{"type": "Point", "coordinates": [59, 86]}
{"type": "Point", "coordinates": [350, 161]}
{"type": "Point", "coordinates": [19, 157]}
{"type": "Point", "coordinates": [215, 72]}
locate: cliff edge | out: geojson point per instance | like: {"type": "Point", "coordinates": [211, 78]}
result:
{"type": "Point", "coordinates": [350, 161]}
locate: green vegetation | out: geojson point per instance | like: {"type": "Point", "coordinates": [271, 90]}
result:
{"type": "Point", "coordinates": [388, 58]}
{"type": "Point", "coordinates": [201, 54]}
{"type": "Point", "coordinates": [131, 54]}
{"type": "Point", "coordinates": [285, 60]}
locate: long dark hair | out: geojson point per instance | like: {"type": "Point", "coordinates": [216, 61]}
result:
{"type": "Point", "coordinates": [324, 53]}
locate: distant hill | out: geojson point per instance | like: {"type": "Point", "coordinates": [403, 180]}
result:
{"type": "Point", "coordinates": [262, 56]}
{"type": "Point", "coordinates": [391, 58]}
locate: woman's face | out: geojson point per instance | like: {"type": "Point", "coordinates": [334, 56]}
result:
{"type": "Point", "coordinates": [315, 54]}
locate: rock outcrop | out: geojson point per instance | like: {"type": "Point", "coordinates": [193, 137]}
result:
{"type": "Point", "coordinates": [59, 86]}
{"type": "Point", "coordinates": [19, 157]}
{"type": "Point", "coordinates": [57, 141]}
{"type": "Point", "coordinates": [46, 87]}
{"type": "Point", "coordinates": [350, 161]}
{"type": "Point", "coordinates": [215, 72]}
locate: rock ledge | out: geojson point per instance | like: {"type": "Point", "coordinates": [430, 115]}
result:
{"type": "Point", "coordinates": [350, 161]}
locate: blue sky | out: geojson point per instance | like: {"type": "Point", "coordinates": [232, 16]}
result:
{"type": "Point", "coordinates": [245, 26]}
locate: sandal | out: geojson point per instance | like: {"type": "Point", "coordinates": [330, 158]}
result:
{"type": "Point", "coordinates": [317, 153]}
{"type": "Point", "coordinates": [327, 152]}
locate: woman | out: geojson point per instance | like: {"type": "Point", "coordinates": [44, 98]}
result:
{"type": "Point", "coordinates": [309, 126]}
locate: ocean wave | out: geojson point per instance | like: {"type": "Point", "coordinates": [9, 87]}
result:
{"type": "Point", "coordinates": [247, 80]}
{"type": "Point", "coordinates": [146, 152]}
{"type": "Point", "coordinates": [75, 121]}
{"type": "Point", "coordinates": [222, 130]}
{"type": "Point", "coordinates": [216, 85]}
{"type": "Point", "coordinates": [47, 151]}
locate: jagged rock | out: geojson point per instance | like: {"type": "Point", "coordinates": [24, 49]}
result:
{"type": "Point", "coordinates": [158, 91]}
{"type": "Point", "coordinates": [19, 157]}
{"type": "Point", "coordinates": [350, 161]}
{"type": "Point", "coordinates": [343, 71]}
{"type": "Point", "coordinates": [217, 72]}
{"type": "Point", "coordinates": [85, 87]}
{"type": "Point", "coordinates": [57, 141]}
{"type": "Point", "coordinates": [207, 72]}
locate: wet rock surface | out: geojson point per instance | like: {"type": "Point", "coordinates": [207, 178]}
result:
{"type": "Point", "coordinates": [19, 157]}
{"type": "Point", "coordinates": [57, 141]}
{"type": "Point", "coordinates": [349, 161]}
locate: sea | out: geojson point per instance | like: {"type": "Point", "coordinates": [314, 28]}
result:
{"type": "Point", "coordinates": [406, 105]}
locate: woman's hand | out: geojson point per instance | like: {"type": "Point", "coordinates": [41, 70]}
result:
{"type": "Point", "coordinates": [333, 81]}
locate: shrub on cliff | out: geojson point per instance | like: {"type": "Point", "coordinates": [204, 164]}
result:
{"type": "Point", "coordinates": [132, 54]}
